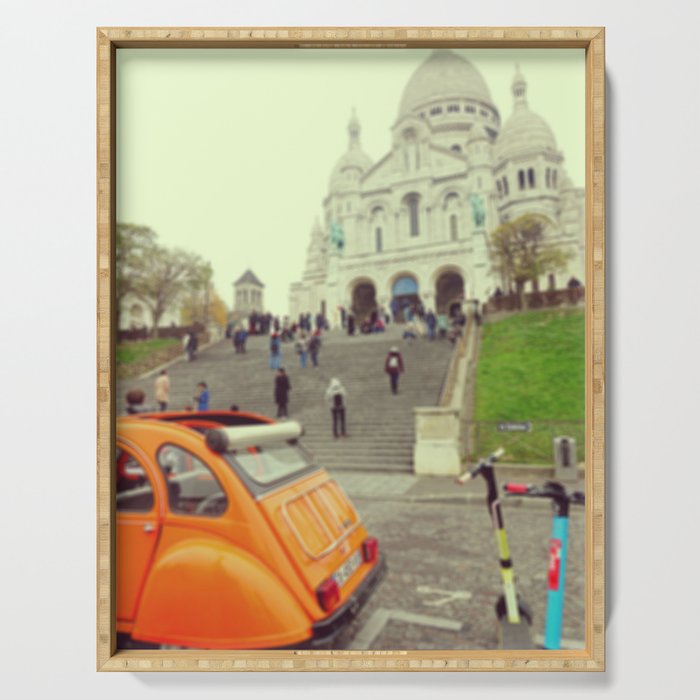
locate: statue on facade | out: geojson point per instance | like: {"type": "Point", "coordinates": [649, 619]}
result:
{"type": "Point", "coordinates": [477, 210]}
{"type": "Point", "coordinates": [337, 236]}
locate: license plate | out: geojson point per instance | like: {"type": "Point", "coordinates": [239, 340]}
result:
{"type": "Point", "coordinates": [347, 568]}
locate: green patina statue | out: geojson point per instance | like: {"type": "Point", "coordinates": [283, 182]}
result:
{"type": "Point", "coordinates": [477, 210]}
{"type": "Point", "coordinates": [337, 236]}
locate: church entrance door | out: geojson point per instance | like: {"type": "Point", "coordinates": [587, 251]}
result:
{"type": "Point", "coordinates": [404, 298]}
{"type": "Point", "coordinates": [364, 301]}
{"type": "Point", "coordinates": [449, 293]}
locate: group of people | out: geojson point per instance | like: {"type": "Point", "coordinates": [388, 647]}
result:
{"type": "Point", "coordinates": [135, 398]}
{"type": "Point", "coordinates": [305, 346]}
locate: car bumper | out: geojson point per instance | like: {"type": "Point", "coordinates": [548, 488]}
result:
{"type": "Point", "coordinates": [325, 631]}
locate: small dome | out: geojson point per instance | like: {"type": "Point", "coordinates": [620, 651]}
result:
{"type": "Point", "coordinates": [524, 131]}
{"type": "Point", "coordinates": [353, 162]}
{"type": "Point", "coordinates": [444, 75]}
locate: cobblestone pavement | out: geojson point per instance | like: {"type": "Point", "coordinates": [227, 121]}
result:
{"type": "Point", "coordinates": [443, 577]}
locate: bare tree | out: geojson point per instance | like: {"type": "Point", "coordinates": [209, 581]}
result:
{"type": "Point", "coordinates": [131, 244]}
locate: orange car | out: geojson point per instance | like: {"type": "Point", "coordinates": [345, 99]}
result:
{"type": "Point", "coordinates": [230, 537]}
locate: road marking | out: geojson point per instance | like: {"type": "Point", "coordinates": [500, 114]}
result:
{"type": "Point", "coordinates": [376, 623]}
{"type": "Point", "coordinates": [447, 596]}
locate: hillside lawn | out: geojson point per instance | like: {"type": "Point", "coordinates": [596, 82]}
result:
{"type": "Point", "coordinates": [137, 356]}
{"type": "Point", "coordinates": [532, 368]}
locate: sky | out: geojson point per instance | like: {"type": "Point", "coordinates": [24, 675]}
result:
{"type": "Point", "coordinates": [228, 152]}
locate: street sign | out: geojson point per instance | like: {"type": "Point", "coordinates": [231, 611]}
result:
{"type": "Point", "coordinates": [524, 427]}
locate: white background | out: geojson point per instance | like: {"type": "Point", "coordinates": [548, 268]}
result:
{"type": "Point", "coordinates": [47, 342]}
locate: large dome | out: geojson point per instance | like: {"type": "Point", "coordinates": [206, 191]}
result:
{"type": "Point", "coordinates": [444, 75]}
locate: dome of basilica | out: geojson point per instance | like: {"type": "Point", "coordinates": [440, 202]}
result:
{"type": "Point", "coordinates": [444, 75]}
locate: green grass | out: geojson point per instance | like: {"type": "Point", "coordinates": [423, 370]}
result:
{"type": "Point", "coordinates": [532, 368]}
{"type": "Point", "coordinates": [137, 356]}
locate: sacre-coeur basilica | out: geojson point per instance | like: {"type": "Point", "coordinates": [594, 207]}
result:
{"type": "Point", "coordinates": [414, 226]}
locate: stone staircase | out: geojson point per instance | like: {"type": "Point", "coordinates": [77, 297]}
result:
{"type": "Point", "coordinates": [380, 425]}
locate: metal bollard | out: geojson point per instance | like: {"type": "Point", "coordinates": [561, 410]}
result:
{"type": "Point", "coordinates": [565, 462]}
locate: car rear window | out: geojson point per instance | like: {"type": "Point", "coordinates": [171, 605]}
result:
{"type": "Point", "coordinates": [268, 465]}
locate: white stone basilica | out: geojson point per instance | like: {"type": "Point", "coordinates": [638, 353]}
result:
{"type": "Point", "coordinates": [415, 224]}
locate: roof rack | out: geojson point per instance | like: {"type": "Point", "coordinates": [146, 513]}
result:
{"type": "Point", "coordinates": [233, 438]}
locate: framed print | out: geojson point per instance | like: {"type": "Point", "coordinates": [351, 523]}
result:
{"type": "Point", "coordinates": [351, 344]}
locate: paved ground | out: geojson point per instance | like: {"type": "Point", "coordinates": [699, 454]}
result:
{"type": "Point", "coordinates": [443, 577]}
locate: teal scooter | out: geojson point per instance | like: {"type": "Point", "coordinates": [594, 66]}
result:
{"type": "Point", "coordinates": [556, 574]}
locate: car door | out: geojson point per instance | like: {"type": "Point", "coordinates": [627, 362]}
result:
{"type": "Point", "coordinates": [138, 528]}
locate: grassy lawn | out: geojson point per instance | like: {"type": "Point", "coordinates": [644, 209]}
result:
{"type": "Point", "coordinates": [531, 368]}
{"type": "Point", "coordinates": [138, 356]}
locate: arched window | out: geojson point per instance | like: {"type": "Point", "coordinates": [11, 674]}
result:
{"type": "Point", "coordinates": [454, 230]}
{"type": "Point", "coordinates": [521, 179]}
{"type": "Point", "coordinates": [505, 185]}
{"type": "Point", "coordinates": [470, 108]}
{"type": "Point", "coordinates": [412, 201]}
{"type": "Point", "coordinates": [531, 177]}
{"type": "Point", "coordinates": [453, 108]}
{"type": "Point", "coordinates": [547, 179]}
{"type": "Point", "coordinates": [378, 239]}
{"type": "Point", "coordinates": [436, 110]}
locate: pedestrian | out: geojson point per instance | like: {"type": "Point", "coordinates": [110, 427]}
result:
{"type": "Point", "coordinates": [275, 351]}
{"type": "Point", "coordinates": [302, 349]}
{"type": "Point", "coordinates": [393, 366]}
{"type": "Point", "coordinates": [191, 346]}
{"type": "Point", "coordinates": [431, 322]}
{"type": "Point", "coordinates": [162, 390]}
{"type": "Point", "coordinates": [314, 347]}
{"type": "Point", "coordinates": [201, 398]}
{"type": "Point", "coordinates": [335, 398]}
{"type": "Point", "coordinates": [351, 324]}
{"type": "Point", "coordinates": [282, 389]}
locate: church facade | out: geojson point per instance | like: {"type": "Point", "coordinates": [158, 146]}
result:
{"type": "Point", "coordinates": [415, 225]}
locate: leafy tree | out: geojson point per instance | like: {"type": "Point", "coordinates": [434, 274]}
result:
{"type": "Point", "coordinates": [191, 310]}
{"type": "Point", "coordinates": [522, 253]}
{"type": "Point", "coordinates": [132, 243]}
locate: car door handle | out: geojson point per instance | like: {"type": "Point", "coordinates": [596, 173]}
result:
{"type": "Point", "coordinates": [149, 527]}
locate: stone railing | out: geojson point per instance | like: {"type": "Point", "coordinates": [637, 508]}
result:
{"type": "Point", "coordinates": [439, 444]}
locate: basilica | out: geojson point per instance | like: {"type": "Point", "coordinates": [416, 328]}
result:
{"type": "Point", "coordinates": [414, 226]}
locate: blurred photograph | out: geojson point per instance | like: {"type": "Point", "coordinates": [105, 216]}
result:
{"type": "Point", "coordinates": [351, 349]}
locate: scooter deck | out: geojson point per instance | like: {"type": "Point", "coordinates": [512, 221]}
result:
{"type": "Point", "coordinates": [515, 635]}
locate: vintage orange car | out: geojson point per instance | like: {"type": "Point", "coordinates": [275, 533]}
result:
{"type": "Point", "coordinates": [230, 537]}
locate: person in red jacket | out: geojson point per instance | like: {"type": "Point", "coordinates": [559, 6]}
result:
{"type": "Point", "coordinates": [393, 366]}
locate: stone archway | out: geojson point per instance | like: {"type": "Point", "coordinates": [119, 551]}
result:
{"type": "Point", "coordinates": [364, 300]}
{"type": "Point", "coordinates": [449, 293]}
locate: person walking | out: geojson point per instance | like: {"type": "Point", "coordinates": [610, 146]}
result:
{"type": "Point", "coordinates": [431, 322]}
{"type": "Point", "coordinates": [201, 398]}
{"type": "Point", "coordinates": [282, 389]}
{"type": "Point", "coordinates": [302, 348]}
{"type": "Point", "coordinates": [314, 347]}
{"type": "Point", "coordinates": [275, 351]}
{"type": "Point", "coordinates": [335, 398]}
{"type": "Point", "coordinates": [393, 366]}
{"type": "Point", "coordinates": [191, 346]}
{"type": "Point", "coordinates": [162, 390]}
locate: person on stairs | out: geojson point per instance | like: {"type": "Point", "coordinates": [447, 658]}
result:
{"type": "Point", "coordinates": [335, 398]}
{"type": "Point", "coordinates": [393, 366]}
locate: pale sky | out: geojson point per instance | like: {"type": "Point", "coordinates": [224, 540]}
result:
{"type": "Point", "coordinates": [228, 152]}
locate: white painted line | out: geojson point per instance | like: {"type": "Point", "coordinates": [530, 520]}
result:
{"type": "Point", "coordinates": [376, 623]}
{"type": "Point", "coordinates": [447, 596]}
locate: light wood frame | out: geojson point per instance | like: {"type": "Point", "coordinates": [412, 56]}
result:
{"type": "Point", "coordinates": [592, 658]}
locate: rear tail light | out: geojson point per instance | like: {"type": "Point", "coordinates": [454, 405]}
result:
{"type": "Point", "coordinates": [370, 549]}
{"type": "Point", "coordinates": [328, 594]}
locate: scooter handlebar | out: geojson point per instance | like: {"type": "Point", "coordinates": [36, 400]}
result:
{"type": "Point", "coordinates": [494, 457]}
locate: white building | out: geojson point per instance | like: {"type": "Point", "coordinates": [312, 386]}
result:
{"type": "Point", "coordinates": [248, 294]}
{"type": "Point", "coordinates": [415, 224]}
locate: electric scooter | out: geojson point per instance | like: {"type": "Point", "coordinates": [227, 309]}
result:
{"type": "Point", "coordinates": [557, 550]}
{"type": "Point", "coordinates": [513, 614]}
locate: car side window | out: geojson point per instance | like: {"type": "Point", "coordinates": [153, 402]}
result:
{"type": "Point", "coordinates": [134, 488]}
{"type": "Point", "coordinates": [192, 487]}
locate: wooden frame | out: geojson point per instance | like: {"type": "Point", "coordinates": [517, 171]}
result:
{"type": "Point", "coordinates": [592, 40]}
